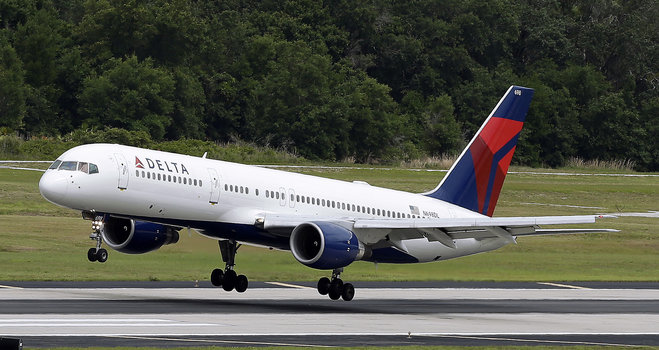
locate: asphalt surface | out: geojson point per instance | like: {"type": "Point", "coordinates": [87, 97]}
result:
{"type": "Point", "coordinates": [168, 314]}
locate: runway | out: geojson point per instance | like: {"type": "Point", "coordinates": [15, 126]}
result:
{"type": "Point", "coordinates": [164, 314]}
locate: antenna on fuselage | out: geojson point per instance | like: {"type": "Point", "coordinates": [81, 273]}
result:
{"type": "Point", "coordinates": [204, 156]}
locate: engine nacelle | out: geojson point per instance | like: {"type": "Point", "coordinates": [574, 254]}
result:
{"type": "Point", "coordinates": [136, 237]}
{"type": "Point", "coordinates": [324, 245]}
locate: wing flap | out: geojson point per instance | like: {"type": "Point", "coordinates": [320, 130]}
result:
{"type": "Point", "coordinates": [483, 221]}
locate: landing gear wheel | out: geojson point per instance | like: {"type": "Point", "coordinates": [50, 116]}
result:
{"type": "Point", "coordinates": [241, 283]}
{"type": "Point", "coordinates": [324, 285]}
{"type": "Point", "coordinates": [336, 288]}
{"type": "Point", "coordinates": [348, 292]}
{"type": "Point", "coordinates": [102, 255]}
{"type": "Point", "coordinates": [96, 254]}
{"type": "Point", "coordinates": [91, 254]}
{"type": "Point", "coordinates": [216, 277]}
{"type": "Point", "coordinates": [229, 281]}
{"type": "Point", "coordinates": [335, 292]}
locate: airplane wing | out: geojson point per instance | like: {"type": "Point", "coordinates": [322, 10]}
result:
{"type": "Point", "coordinates": [371, 231]}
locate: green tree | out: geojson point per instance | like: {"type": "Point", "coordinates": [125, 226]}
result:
{"type": "Point", "coordinates": [12, 87]}
{"type": "Point", "coordinates": [129, 94]}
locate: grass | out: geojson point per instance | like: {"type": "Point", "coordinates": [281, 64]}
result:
{"type": "Point", "coordinates": [40, 241]}
{"type": "Point", "coordinates": [415, 347]}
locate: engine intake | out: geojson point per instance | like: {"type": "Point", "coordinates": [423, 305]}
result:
{"type": "Point", "coordinates": [325, 245]}
{"type": "Point", "coordinates": [136, 237]}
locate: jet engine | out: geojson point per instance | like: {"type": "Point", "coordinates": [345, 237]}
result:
{"type": "Point", "coordinates": [136, 237]}
{"type": "Point", "coordinates": [325, 245]}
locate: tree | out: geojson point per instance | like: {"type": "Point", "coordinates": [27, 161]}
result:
{"type": "Point", "coordinates": [12, 88]}
{"type": "Point", "coordinates": [129, 94]}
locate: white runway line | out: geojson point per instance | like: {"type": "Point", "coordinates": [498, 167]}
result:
{"type": "Point", "coordinates": [10, 287]}
{"type": "Point", "coordinates": [288, 285]}
{"type": "Point", "coordinates": [217, 341]}
{"type": "Point", "coordinates": [523, 340]}
{"type": "Point", "coordinates": [562, 285]}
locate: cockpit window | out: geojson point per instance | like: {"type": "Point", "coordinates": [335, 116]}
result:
{"type": "Point", "coordinates": [68, 166]}
{"type": "Point", "coordinates": [87, 168]}
{"type": "Point", "coordinates": [55, 164]}
{"type": "Point", "coordinates": [84, 167]}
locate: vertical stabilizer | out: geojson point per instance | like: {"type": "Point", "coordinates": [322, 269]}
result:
{"type": "Point", "coordinates": [475, 180]}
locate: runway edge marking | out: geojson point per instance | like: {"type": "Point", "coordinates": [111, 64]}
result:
{"type": "Point", "coordinates": [562, 285]}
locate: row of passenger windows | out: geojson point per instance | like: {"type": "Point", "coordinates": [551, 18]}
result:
{"type": "Point", "coordinates": [238, 189]}
{"type": "Point", "coordinates": [168, 178]}
{"type": "Point", "coordinates": [277, 195]}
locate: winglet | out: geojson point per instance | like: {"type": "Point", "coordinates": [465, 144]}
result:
{"type": "Point", "coordinates": [475, 180]}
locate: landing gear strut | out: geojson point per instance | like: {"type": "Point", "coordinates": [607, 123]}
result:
{"type": "Point", "coordinates": [228, 279]}
{"type": "Point", "coordinates": [335, 288]}
{"type": "Point", "coordinates": [97, 254]}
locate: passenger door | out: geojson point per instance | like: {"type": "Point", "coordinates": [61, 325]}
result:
{"type": "Point", "coordinates": [215, 186]}
{"type": "Point", "coordinates": [122, 167]}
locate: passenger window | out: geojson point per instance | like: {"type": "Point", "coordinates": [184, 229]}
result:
{"type": "Point", "coordinates": [137, 173]}
{"type": "Point", "coordinates": [257, 191]}
{"type": "Point", "coordinates": [55, 164]}
{"type": "Point", "coordinates": [277, 195]}
{"type": "Point", "coordinates": [267, 194]}
{"type": "Point", "coordinates": [246, 190]}
{"type": "Point", "coordinates": [200, 183]}
{"type": "Point", "coordinates": [72, 166]}
{"type": "Point", "coordinates": [195, 182]}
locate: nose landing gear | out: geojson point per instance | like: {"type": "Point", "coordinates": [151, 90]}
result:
{"type": "Point", "coordinates": [228, 279]}
{"type": "Point", "coordinates": [97, 254]}
{"type": "Point", "coordinates": [335, 287]}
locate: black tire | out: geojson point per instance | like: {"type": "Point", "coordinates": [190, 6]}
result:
{"type": "Point", "coordinates": [216, 277]}
{"type": "Point", "coordinates": [241, 283]}
{"type": "Point", "coordinates": [348, 292]}
{"type": "Point", "coordinates": [229, 281]}
{"type": "Point", "coordinates": [91, 254]}
{"type": "Point", "coordinates": [336, 288]}
{"type": "Point", "coordinates": [102, 255]}
{"type": "Point", "coordinates": [324, 285]}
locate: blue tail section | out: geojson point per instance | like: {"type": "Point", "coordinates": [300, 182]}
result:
{"type": "Point", "coordinates": [475, 180]}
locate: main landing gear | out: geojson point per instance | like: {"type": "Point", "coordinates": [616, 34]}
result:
{"type": "Point", "coordinates": [335, 288]}
{"type": "Point", "coordinates": [228, 279]}
{"type": "Point", "coordinates": [97, 254]}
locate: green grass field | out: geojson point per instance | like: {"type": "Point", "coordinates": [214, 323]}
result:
{"type": "Point", "coordinates": [393, 348]}
{"type": "Point", "coordinates": [40, 241]}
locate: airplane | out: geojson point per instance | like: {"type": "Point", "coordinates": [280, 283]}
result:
{"type": "Point", "coordinates": [138, 199]}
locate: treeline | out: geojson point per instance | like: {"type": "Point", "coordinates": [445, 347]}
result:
{"type": "Point", "coordinates": [363, 80]}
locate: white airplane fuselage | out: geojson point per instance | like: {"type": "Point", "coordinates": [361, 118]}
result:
{"type": "Point", "coordinates": [224, 200]}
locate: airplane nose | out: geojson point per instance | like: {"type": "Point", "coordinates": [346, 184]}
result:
{"type": "Point", "coordinates": [53, 187]}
